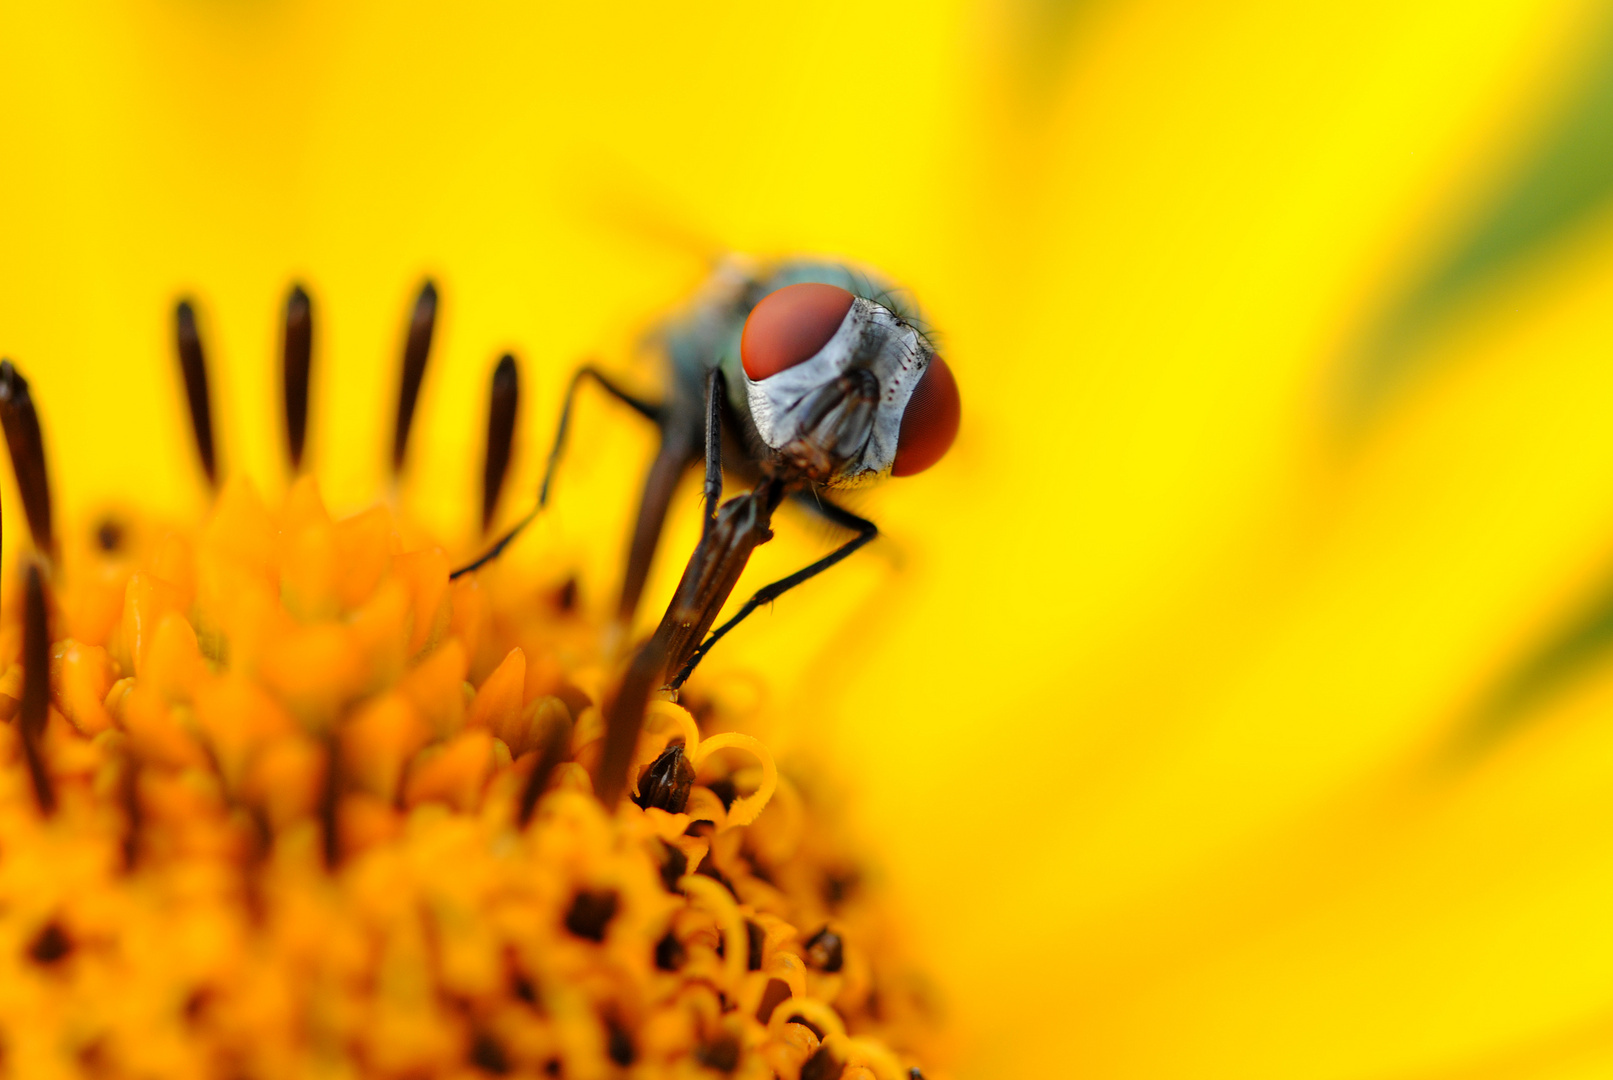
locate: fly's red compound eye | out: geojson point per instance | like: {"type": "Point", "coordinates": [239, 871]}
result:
{"type": "Point", "coordinates": [930, 422]}
{"type": "Point", "coordinates": [790, 325]}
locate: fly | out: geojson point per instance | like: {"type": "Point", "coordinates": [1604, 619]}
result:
{"type": "Point", "coordinates": [801, 380]}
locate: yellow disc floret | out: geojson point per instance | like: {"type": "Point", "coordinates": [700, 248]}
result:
{"type": "Point", "coordinates": [317, 810]}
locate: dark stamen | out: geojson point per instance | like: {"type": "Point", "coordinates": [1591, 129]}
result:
{"type": "Point", "coordinates": [565, 597]}
{"type": "Point", "coordinates": [35, 686]}
{"type": "Point", "coordinates": [755, 938]}
{"type": "Point", "coordinates": [197, 1004]}
{"type": "Point", "coordinates": [415, 352]}
{"type": "Point", "coordinates": [591, 913]}
{"type": "Point", "coordinates": [725, 791]}
{"type": "Point", "coordinates": [709, 869]}
{"type": "Point", "coordinates": [838, 887]}
{"type": "Point", "coordinates": [776, 993]}
{"type": "Point", "coordinates": [129, 795]}
{"type": "Point", "coordinates": [674, 864]}
{"type": "Point", "coordinates": [822, 1066]}
{"type": "Point", "coordinates": [669, 952]}
{"type": "Point", "coordinates": [299, 352]}
{"type": "Point", "coordinates": [488, 1055]}
{"type": "Point", "coordinates": [193, 364]}
{"type": "Point", "coordinates": [328, 802]}
{"type": "Point", "coordinates": [50, 945]}
{"type": "Point", "coordinates": [722, 1055]}
{"type": "Point", "coordinates": [619, 1045]}
{"type": "Point", "coordinates": [825, 951]}
{"type": "Point", "coordinates": [109, 535]}
{"type": "Point", "coordinates": [666, 783]}
{"type": "Point", "coordinates": [556, 745]}
{"type": "Point", "coordinates": [501, 406]}
{"type": "Point", "coordinates": [27, 447]}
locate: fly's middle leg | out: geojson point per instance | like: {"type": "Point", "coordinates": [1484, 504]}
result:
{"type": "Point", "coordinates": [656, 414]}
{"type": "Point", "coordinates": [866, 531]}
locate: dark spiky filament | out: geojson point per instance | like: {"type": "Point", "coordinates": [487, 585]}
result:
{"type": "Point", "coordinates": [27, 448]}
{"type": "Point", "coordinates": [624, 716]}
{"type": "Point", "coordinates": [129, 796]}
{"type": "Point", "coordinates": [416, 350]}
{"type": "Point", "coordinates": [35, 704]}
{"type": "Point", "coordinates": [555, 749]}
{"type": "Point", "coordinates": [329, 797]}
{"type": "Point", "coordinates": [193, 365]}
{"type": "Point", "coordinates": [299, 352]}
{"type": "Point", "coordinates": [501, 406]}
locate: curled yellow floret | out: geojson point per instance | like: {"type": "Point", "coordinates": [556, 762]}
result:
{"type": "Point", "coordinates": [288, 760]}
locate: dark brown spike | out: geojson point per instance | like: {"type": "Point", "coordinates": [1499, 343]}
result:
{"type": "Point", "coordinates": [624, 716]}
{"type": "Point", "coordinates": [27, 445]}
{"type": "Point", "coordinates": [133, 812]}
{"type": "Point", "coordinates": [330, 803]}
{"type": "Point", "coordinates": [554, 749]}
{"type": "Point", "coordinates": [501, 406]}
{"type": "Point", "coordinates": [415, 353]}
{"type": "Point", "coordinates": [193, 364]}
{"type": "Point", "coordinates": [299, 354]}
{"type": "Point", "coordinates": [35, 703]}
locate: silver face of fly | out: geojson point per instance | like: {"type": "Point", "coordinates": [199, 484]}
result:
{"type": "Point", "coordinates": [798, 377]}
{"type": "Point", "coordinates": [838, 415]}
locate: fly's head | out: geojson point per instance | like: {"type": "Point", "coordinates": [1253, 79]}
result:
{"type": "Point", "coordinates": [842, 389]}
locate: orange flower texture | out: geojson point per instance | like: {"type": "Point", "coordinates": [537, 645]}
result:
{"type": "Point", "coordinates": [281, 797]}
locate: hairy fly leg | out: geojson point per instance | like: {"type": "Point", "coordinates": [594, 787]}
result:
{"type": "Point", "coordinates": [650, 411]}
{"type": "Point", "coordinates": [866, 531]}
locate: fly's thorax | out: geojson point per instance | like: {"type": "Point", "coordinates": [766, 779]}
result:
{"type": "Point", "coordinates": [837, 416]}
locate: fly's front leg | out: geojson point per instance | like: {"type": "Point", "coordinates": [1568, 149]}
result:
{"type": "Point", "coordinates": [866, 531]}
{"type": "Point", "coordinates": [656, 414]}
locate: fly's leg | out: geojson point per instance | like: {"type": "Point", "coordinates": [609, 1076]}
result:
{"type": "Point", "coordinates": [866, 531]}
{"type": "Point", "coordinates": [656, 414]}
{"type": "Point", "coordinates": [624, 714]}
{"type": "Point", "coordinates": [675, 456]}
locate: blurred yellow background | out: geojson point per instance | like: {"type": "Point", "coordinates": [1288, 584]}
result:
{"type": "Point", "coordinates": [1231, 701]}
